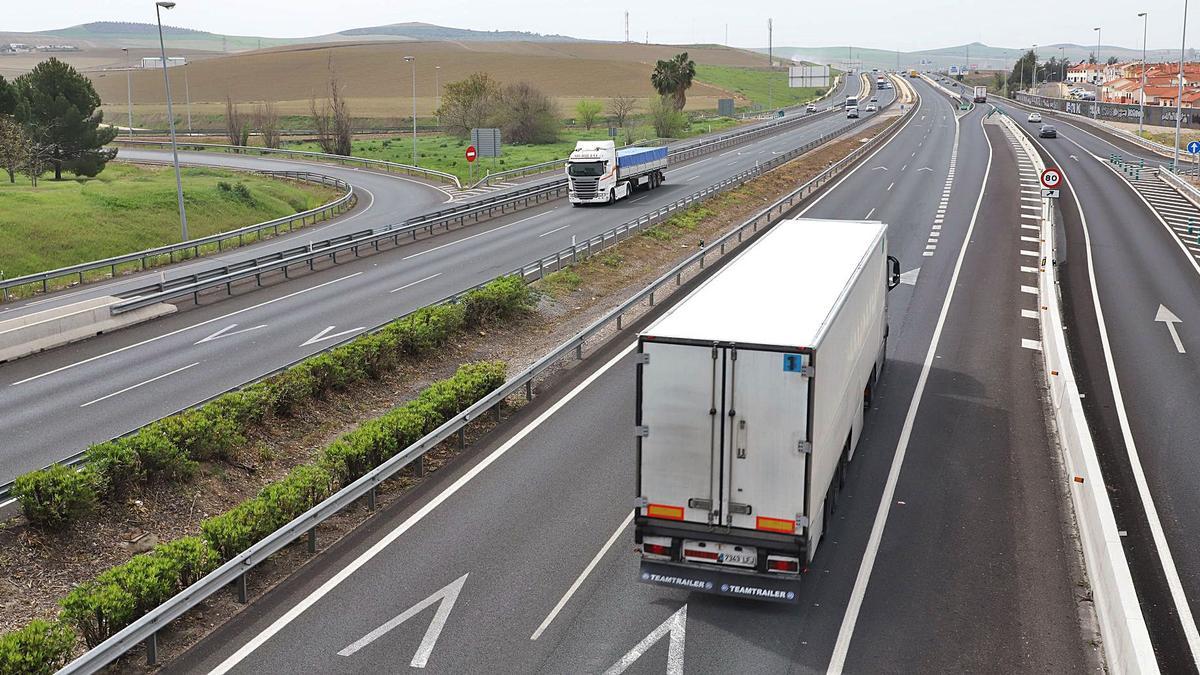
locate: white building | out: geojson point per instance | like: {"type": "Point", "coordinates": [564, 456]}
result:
{"type": "Point", "coordinates": [1085, 73]}
{"type": "Point", "coordinates": [156, 62]}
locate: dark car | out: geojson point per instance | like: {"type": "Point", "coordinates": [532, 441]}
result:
{"type": "Point", "coordinates": [1048, 131]}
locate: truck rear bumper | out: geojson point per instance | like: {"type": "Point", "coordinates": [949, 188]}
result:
{"type": "Point", "coordinates": [720, 582]}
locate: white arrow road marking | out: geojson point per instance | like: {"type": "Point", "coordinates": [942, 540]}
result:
{"type": "Point", "coordinates": [1073, 157]}
{"type": "Point", "coordinates": [445, 599]}
{"type": "Point", "coordinates": [910, 277]}
{"type": "Point", "coordinates": [675, 625]}
{"type": "Point", "coordinates": [880, 167]}
{"type": "Point", "coordinates": [224, 332]}
{"type": "Point", "coordinates": [324, 335]}
{"type": "Point", "coordinates": [924, 168]}
{"type": "Point", "coordinates": [1168, 317]}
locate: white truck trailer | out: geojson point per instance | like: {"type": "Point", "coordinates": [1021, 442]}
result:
{"type": "Point", "coordinates": [599, 173]}
{"type": "Point", "coordinates": [980, 94]}
{"type": "Point", "coordinates": [751, 393]}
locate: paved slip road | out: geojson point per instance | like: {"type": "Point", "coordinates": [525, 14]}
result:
{"type": "Point", "coordinates": [528, 535]}
{"type": "Point", "coordinates": [1138, 265]}
{"type": "Point", "coordinates": [58, 402]}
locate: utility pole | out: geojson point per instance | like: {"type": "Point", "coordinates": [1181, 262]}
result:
{"type": "Point", "coordinates": [1142, 110]}
{"type": "Point", "coordinates": [158, 7]}
{"type": "Point", "coordinates": [1035, 69]}
{"type": "Point", "coordinates": [627, 26]}
{"type": "Point", "coordinates": [1099, 73]}
{"type": "Point", "coordinates": [1179, 97]}
{"type": "Point", "coordinates": [770, 63]}
{"type": "Point", "coordinates": [437, 96]}
{"type": "Point", "coordinates": [413, 62]}
{"type": "Point", "coordinates": [187, 94]}
{"type": "Point", "coordinates": [129, 88]}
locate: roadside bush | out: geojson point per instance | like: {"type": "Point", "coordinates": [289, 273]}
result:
{"type": "Point", "coordinates": [203, 434]}
{"type": "Point", "coordinates": [277, 504]}
{"type": "Point", "coordinates": [52, 497]}
{"type": "Point", "coordinates": [192, 557]}
{"type": "Point", "coordinates": [98, 610]}
{"type": "Point", "coordinates": [502, 298]}
{"type": "Point", "coordinates": [245, 406]}
{"type": "Point", "coordinates": [290, 389]}
{"type": "Point", "coordinates": [40, 648]}
{"type": "Point", "coordinates": [161, 459]}
{"type": "Point", "coordinates": [115, 466]}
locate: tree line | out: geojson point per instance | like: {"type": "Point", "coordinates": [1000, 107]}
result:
{"type": "Point", "coordinates": [50, 120]}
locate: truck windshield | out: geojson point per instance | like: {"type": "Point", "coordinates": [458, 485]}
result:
{"type": "Point", "coordinates": [585, 169]}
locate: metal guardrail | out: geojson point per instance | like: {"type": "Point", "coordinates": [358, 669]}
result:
{"type": "Point", "coordinates": [388, 167]}
{"type": "Point", "coordinates": [144, 258]}
{"type": "Point", "coordinates": [146, 628]}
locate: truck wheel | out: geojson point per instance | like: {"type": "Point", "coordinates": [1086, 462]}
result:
{"type": "Point", "coordinates": [612, 195]}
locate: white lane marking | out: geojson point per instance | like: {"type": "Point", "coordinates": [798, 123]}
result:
{"type": "Point", "coordinates": [480, 234]}
{"type": "Point", "coordinates": [1168, 317]}
{"type": "Point", "coordinates": [582, 577]}
{"type": "Point", "coordinates": [387, 540]}
{"type": "Point", "coordinates": [930, 247]}
{"type": "Point", "coordinates": [891, 186]}
{"type": "Point", "coordinates": [868, 216]}
{"type": "Point", "coordinates": [557, 229]}
{"type": "Point", "coordinates": [224, 332]}
{"type": "Point", "coordinates": [692, 178]}
{"type": "Point", "coordinates": [1179, 598]}
{"type": "Point", "coordinates": [634, 201]}
{"type": "Point", "coordinates": [1031, 239]}
{"type": "Point", "coordinates": [841, 648]}
{"type": "Point", "coordinates": [1026, 268]}
{"type": "Point", "coordinates": [176, 332]}
{"type": "Point", "coordinates": [325, 335]}
{"type": "Point", "coordinates": [676, 625]}
{"type": "Point", "coordinates": [927, 253]}
{"type": "Point", "coordinates": [1031, 344]}
{"type": "Point", "coordinates": [1031, 254]}
{"type": "Point", "coordinates": [1032, 290]}
{"type": "Point", "coordinates": [1029, 314]}
{"type": "Point", "coordinates": [139, 384]}
{"type": "Point", "coordinates": [414, 283]}
{"type": "Point", "coordinates": [1035, 228]}
{"type": "Point", "coordinates": [1031, 216]}
{"type": "Point", "coordinates": [446, 597]}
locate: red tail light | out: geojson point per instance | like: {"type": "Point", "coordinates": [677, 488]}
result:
{"type": "Point", "coordinates": [785, 564]}
{"type": "Point", "coordinates": [656, 549]}
{"type": "Point", "coordinates": [696, 553]}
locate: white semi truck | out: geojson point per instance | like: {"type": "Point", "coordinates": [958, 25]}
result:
{"type": "Point", "coordinates": [750, 401]}
{"type": "Point", "coordinates": [980, 94]}
{"type": "Point", "coordinates": [599, 173]}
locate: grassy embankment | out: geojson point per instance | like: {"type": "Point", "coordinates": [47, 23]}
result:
{"type": "Point", "coordinates": [130, 208]}
{"type": "Point", "coordinates": [764, 88]}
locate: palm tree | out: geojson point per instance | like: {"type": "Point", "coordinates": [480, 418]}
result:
{"type": "Point", "coordinates": [673, 78]}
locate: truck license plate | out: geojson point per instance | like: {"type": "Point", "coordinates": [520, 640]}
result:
{"type": "Point", "coordinates": [721, 554]}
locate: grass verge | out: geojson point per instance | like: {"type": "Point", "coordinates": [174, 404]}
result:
{"type": "Point", "coordinates": [130, 208]}
{"type": "Point", "coordinates": [764, 88]}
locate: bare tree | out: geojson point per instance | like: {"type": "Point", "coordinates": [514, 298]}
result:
{"type": "Point", "coordinates": [266, 118]}
{"type": "Point", "coordinates": [332, 120]}
{"type": "Point", "coordinates": [620, 108]}
{"type": "Point", "coordinates": [525, 114]}
{"type": "Point", "coordinates": [38, 159]}
{"type": "Point", "coordinates": [237, 126]}
{"type": "Point", "coordinates": [14, 146]}
{"type": "Point", "coordinates": [468, 103]}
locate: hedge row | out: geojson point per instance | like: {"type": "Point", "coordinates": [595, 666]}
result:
{"type": "Point", "coordinates": [98, 609]}
{"type": "Point", "coordinates": [170, 449]}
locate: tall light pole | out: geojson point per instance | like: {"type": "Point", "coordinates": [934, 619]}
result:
{"type": "Point", "coordinates": [187, 94]}
{"type": "Point", "coordinates": [413, 62]}
{"type": "Point", "coordinates": [1099, 75]}
{"type": "Point", "coordinates": [158, 7]}
{"type": "Point", "coordinates": [1179, 97]}
{"type": "Point", "coordinates": [129, 89]}
{"type": "Point", "coordinates": [1035, 69]}
{"type": "Point", "coordinates": [1062, 59]}
{"type": "Point", "coordinates": [1142, 110]}
{"type": "Point", "coordinates": [437, 94]}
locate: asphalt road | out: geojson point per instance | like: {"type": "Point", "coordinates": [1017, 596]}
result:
{"type": "Point", "coordinates": [1145, 424]}
{"type": "Point", "coordinates": [59, 401]}
{"type": "Point", "coordinates": [525, 541]}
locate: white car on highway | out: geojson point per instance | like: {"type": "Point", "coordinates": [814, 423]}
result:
{"type": "Point", "coordinates": [870, 107]}
{"type": "Point", "coordinates": [1035, 118]}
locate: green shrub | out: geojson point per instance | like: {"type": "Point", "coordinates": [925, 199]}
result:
{"type": "Point", "coordinates": [244, 406]}
{"type": "Point", "coordinates": [276, 505]}
{"type": "Point", "coordinates": [98, 610]}
{"type": "Point", "coordinates": [203, 434]}
{"type": "Point", "coordinates": [291, 388]}
{"type": "Point", "coordinates": [115, 466]}
{"type": "Point", "coordinates": [501, 298]}
{"type": "Point", "coordinates": [53, 496]}
{"type": "Point", "coordinates": [40, 648]}
{"type": "Point", "coordinates": [160, 458]}
{"type": "Point", "coordinates": [193, 558]}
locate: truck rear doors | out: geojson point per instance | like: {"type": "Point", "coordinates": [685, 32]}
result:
{"type": "Point", "coordinates": [724, 435]}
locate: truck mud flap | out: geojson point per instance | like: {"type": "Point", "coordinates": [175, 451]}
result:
{"type": "Point", "coordinates": [786, 590]}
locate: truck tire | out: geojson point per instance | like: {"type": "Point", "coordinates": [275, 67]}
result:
{"type": "Point", "coordinates": [612, 195]}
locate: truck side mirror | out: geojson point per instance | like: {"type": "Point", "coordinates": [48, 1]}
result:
{"type": "Point", "coordinates": [893, 272]}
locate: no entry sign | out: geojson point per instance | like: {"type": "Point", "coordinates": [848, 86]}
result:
{"type": "Point", "coordinates": [470, 153]}
{"type": "Point", "coordinates": [1051, 178]}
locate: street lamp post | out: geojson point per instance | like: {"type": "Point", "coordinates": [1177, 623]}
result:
{"type": "Point", "coordinates": [1142, 108]}
{"type": "Point", "coordinates": [1179, 96]}
{"type": "Point", "coordinates": [158, 7]}
{"type": "Point", "coordinates": [1099, 75]}
{"type": "Point", "coordinates": [187, 94]}
{"type": "Point", "coordinates": [1062, 60]}
{"type": "Point", "coordinates": [413, 62]}
{"type": "Point", "coordinates": [128, 89]}
{"type": "Point", "coordinates": [437, 96]}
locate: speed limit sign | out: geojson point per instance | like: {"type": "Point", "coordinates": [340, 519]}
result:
{"type": "Point", "coordinates": [1051, 178]}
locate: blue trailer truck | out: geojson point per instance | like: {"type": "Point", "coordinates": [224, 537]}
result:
{"type": "Point", "coordinates": [599, 173]}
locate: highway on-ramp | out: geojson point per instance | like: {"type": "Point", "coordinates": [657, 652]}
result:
{"type": "Point", "coordinates": [952, 551]}
{"type": "Point", "coordinates": [59, 401]}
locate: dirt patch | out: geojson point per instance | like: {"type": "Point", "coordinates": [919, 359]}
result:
{"type": "Point", "coordinates": [37, 568]}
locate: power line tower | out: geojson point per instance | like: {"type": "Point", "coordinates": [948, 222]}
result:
{"type": "Point", "coordinates": [770, 54]}
{"type": "Point", "coordinates": [626, 25]}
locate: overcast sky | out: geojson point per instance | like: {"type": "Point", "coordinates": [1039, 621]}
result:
{"type": "Point", "coordinates": [884, 24]}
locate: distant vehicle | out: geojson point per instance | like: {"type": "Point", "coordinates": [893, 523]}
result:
{"type": "Point", "coordinates": [1048, 131]}
{"type": "Point", "coordinates": [811, 107]}
{"type": "Point", "coordinates": [751, 395]}
{"type": "Point", "coordinates": [980, 95]}
{"type": "Point", "coordinates": [874, 99]}
{"type": "Point", "coordinates": [852, 113]}
{"type": "Point", "coordinates": [599, 173]}
{"type": "Point", "coordinates": [871, 107]}
{"type": "Point", "coordinates": [1035, 118]}
{"type": "Point", "coordinates": [881, 82]}
{"type": "Point", "coordinates": [913, 73]}
{"type": "Point", "coordinates": [851, 102]}
{"type": "Point", "coordinates": [1087, 96]}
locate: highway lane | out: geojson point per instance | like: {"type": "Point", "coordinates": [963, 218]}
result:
{"type": "Point", "coordinates": [384, 199]}
{"type": "Point", "coordinates": [59, 401]}
{"type": "Point", "coordinates": [1136, 265]}
{"type": "Point", "coordinates": [536, 547]}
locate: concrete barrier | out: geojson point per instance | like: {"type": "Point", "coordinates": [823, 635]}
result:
{"type": "Point", "coordinates": [32, 333]}
{"type": "Point", "coordinates": [1126, 640]}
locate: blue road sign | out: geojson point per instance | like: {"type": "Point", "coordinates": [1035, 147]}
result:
{"type": "Point", "coordinates": [1194, 147]}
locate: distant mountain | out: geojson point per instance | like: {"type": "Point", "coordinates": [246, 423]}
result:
{"type": "Point", "coordinates": [975, 55]}
{"type": "Point", "coordinates": [429, 32]}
